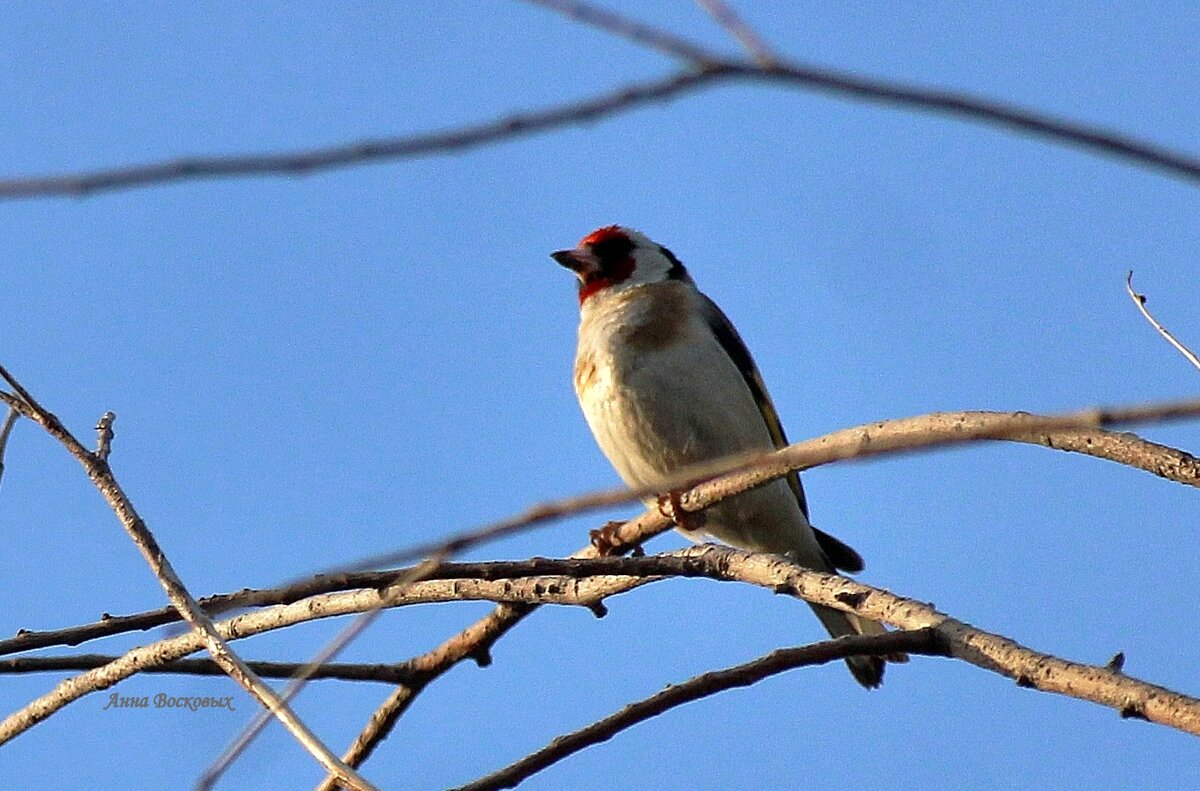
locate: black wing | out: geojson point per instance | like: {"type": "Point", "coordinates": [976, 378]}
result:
{"type": "Point", "coordinates": [840, 555]}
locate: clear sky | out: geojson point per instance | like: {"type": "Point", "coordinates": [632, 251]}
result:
{"type": "Point", "coordinates": [310, 370]}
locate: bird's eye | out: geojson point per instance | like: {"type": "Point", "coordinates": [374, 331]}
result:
{"type": "Point", "coordinates": [612, 250]}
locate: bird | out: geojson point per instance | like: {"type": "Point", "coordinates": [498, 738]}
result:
{"type": "Point", "coordinates": [665, 382]}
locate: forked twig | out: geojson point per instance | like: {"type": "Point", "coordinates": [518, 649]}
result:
{"type": "Point", "coordinates": [101, 475]}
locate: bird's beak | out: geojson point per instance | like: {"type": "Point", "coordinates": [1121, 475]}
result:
{"type": "Point", "coordinates": [578, 261]}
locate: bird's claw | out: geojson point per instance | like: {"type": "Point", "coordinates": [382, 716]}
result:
{"type": "Point", "coordinates": [605, 539]}
{"type": "Point", "coordinates": [670, 505]}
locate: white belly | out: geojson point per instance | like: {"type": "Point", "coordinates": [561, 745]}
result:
{"type": "Point", "coordinates": [654, 411]}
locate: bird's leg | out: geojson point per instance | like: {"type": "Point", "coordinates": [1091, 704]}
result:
{"type": "Point", "coordinates": [670, 505]}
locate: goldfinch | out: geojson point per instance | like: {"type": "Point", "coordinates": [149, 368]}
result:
{"type": "Point", "coordinates": [665, 382]}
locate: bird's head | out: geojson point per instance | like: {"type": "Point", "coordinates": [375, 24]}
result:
{"type": "Point", "coordinates": [615, 258]}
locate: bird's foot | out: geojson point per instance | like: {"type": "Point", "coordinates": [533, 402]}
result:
{"type": "Point", "coordinates": [605, 539]}
{"type": "Point", "coordinates": [670, 505]}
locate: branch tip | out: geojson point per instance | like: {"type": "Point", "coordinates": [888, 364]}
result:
{"type": "Point", "coordinates": [1140, 301]}
{"type": "Point", "coordinates": [104, 435]}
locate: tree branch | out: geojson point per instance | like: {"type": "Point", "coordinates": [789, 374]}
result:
{"type": "Point", "coordinates": [711, 69]}
{"type": "Point", "coordinates": [920, 641]}
{"type": "Point", "coordinates": [343, 671]}
{"type": "Point", "coordinates": [1105, 685]}
{"type": "Point", "coordinates": [101, 475]}
{"type": "Point", "coordinates": [885, 437]}
{"type": "Point", "coordinates": [705, 484]}
{"type": "Point", "coordinates": [580, 592]}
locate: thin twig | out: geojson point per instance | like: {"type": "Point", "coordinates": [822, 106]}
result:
{"type": "Point", "coordinates": [645, 35]}
{"type": "Point", "coordinates": [101, 475]}
{"type": "Point", "coordinates": [1140, 301]}
{"type": "Point", "coordinates": [919, 641]}
{"type": "Point", "coordinates": [10, 420]}
{"type": "Point", "coordinates": [745, 35]}
{"type": "Point", "coordinates": [342, 671]}
{"type": "Point", "coordinates": [890, 92]}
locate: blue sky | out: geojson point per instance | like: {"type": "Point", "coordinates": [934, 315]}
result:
{"type": "Point", "coordinates": [310, 370]}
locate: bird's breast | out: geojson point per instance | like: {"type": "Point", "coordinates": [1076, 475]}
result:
{"type": "Point", "coordinates": [657, 389]}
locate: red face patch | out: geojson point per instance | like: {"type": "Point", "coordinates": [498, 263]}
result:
{"type": "Point", "coordinates": [602, 234]}
{"type": "Point", "coordinates": [612, 250]}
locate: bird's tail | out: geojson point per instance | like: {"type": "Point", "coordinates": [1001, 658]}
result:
{"type": "Point", "coordinates": [867, 670]}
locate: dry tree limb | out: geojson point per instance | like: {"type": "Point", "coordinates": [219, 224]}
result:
{"type": "Point", "coordinates": [342, 671]}
{"type": "Point", "coordinates": [1140, 301]}
{"type": "Point", "coordinates": [101, 475]}
{"type": "Point", "coordinates": [418, 593]}
{"type": "Point", "coordinates": [577, 592]}
{"type": "Point", "coordinates": [918, 641]}
{"type": "Point", "coordinates": [1102, 684]}
{"type": "Point", "coordinates": [928, 632]}
{"type": "Point", "coordinates": [906, 434]}
{"type": "Point", "coordinates": [581, 582]}
{"type": "Point", "coordinates": [712, 69]}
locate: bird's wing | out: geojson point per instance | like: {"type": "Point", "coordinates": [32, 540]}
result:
{"type": "Point", "coordinates": [839, 554]}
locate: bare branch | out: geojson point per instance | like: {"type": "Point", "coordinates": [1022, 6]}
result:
{"type": "Point", "coordinates": [886, 437]}
{"type": "Point", "coordinates": [388, 673]}
{"type": "Point", "coordinates": [808, 77]}
{"type": "Point", "coordinates": [446, 582]}
{"type": "Point", "coordinates": [1104, 685]}
{"type": "Point", "coordinates": [919, 641]}
{"type": "Point", "coordinates": [10, 420]}
{"type": "Point", "coordinates": [713, 481]}
{"type": "Point", "coordinates": [745, 35]}
{"type": "Point", "coordinates": [582, 592]}
{"type": "Point", "coordinates": [101, 475]}
{"type": "Point", "coordinates": [579, 580]}
{"type": "Point", "coordinates": [307, 161]}
{"type": "Point", "coordinates": [1140, 301]}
